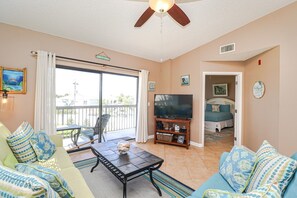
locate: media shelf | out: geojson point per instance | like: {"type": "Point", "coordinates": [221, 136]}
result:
{"type": "Point", "coordinates": [172, 131]}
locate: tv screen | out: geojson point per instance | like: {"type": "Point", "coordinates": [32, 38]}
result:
{"type": "Point", "coordinates": [173, 106]}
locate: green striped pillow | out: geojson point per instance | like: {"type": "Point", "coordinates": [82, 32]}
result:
{"type": "Point", "coordinates": [18, 184]}
{"type": "Point", "coordinates": [19, 143]}
{"type": "Point", "coordinates": [267, 191]}
{"type": "Point", "coordinates": [271, 167]}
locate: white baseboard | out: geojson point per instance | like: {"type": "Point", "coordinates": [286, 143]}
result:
{"type": "Point", "coordinates": [196, 144]}
{"type": "Point", "coordinates": [151, 137]}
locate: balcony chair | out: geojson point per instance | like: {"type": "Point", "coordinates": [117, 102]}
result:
{"type": "Point", "coordinates": [99, 128]}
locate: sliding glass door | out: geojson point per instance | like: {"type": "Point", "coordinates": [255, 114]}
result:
{"type": "Point", "coordinates": [84, 95]}
{"type": "Point", "coordinates": [119, 98]}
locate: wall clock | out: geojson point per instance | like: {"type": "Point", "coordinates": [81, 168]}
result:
{"type": "Point", "coordinates": [258, 89]}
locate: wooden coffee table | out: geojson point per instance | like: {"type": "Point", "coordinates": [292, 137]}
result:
{"type": "Point", "coordinates": [126, 167]}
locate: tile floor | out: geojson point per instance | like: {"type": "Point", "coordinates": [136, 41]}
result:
{"type": "Point", "coordinates": [192, 166]}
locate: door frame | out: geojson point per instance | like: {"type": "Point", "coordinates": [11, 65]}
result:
{"type": "Point", "coordinates": [238, 103]}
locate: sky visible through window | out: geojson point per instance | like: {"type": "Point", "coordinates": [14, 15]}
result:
{"type": "Point", "coordinates": [82, 88]}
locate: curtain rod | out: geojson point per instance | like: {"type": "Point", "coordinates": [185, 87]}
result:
{"type": "Point", "coordinates": [91, 62]}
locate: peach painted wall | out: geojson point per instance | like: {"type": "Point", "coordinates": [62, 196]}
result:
{"type": "Point", "coordinates": [16, 45]}
{"type": "Point", "coordinates": [262, 115]}
{"type": "Point", "coordinates": [276, 29]}
{"type": "Point", "coordinates": [210, 80]}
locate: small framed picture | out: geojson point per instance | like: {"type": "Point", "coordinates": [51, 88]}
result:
{"type": "Point", "coordinates": [180, 139]}
{"type": "Point", "coordinates": [220, 89]}
{"type": "Point", "coordinates": [13, 80]}
{"type": "Point", "coordinates": [185, 80]}
{"type": "Point", "coordinates": [151, 86]}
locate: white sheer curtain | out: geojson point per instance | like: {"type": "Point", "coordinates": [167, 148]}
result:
{"type": "Point", "coordinates": [142, 127]}
{"type": "Point", "coordinates": [45, 93]}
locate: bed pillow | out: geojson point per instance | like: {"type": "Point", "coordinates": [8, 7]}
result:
{"type": "Point", "coordinates": [208, 108]}
{"type": "Point", "coordinates": [19, 143]}
{"type": "Point", "coordinates": [215, 108]}
{"type": "Point", "coordinates": [238, 167]}
{"type": "Point", "coordinates": [271, 167]}
{"type": "Point", "coordinates": [267, 191]}
{"type": "Point", "coordinates": [224, 108]}
{"type": "Point", "coordinates": [19, 184]}
{"type": "Point", "coordinates": [55, 180]}
{"type": "Point", "coordinates": [42, 145]}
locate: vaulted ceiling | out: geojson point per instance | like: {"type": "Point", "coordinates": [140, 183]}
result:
{"type": "Point", "coordinates": [110, 23]}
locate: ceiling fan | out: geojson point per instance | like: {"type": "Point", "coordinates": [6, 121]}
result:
{"type": "Point", "coordinates": [162, 6]}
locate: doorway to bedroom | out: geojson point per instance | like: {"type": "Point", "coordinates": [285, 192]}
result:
{"type": "Point", "coordinates": [222, 102]}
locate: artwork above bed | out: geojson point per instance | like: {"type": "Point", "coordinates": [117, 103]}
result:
{"type": "Point", "coordinates": [219, 113]}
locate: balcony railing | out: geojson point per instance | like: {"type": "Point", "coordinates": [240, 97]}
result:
{"type": "Point", "coordinates": [122, 116]}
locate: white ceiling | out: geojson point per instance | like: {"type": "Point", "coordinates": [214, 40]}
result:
{"type": "Point", "coordinates": [110, 23]}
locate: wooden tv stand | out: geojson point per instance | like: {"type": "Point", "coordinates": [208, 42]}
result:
{"type": "Point", "coordinates": [166, 131]}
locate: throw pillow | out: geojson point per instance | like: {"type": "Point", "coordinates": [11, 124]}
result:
{"type": "Point", "coordinates": [19, 184]}
{"type": "Point", "coordinates": [267, 191]}
{"type": "Point", "coordinates": [271, 167]}
{"type": "Point", "coordinates": [208, 108]}
{"type": "Point", "coordinates": [55, 180]}
{"type": "Point", "coordinates": [238, 167]}
{"type": "Point", "coordinates": [10, 161]}
{"type": "Point", "coordinates": [215, 108]}
{"type": "Point", "coordinates": [224, 108]}
{"type": "Point", "coordinates": [19, 143]}
{"type": "Point", "coordinates": [43, 146]}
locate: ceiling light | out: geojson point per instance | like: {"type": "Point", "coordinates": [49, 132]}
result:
{"type": "Point", "coordinates": [161, 6]}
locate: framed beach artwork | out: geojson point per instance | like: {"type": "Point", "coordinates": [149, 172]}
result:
{"type": "Point", "coordinates": [151, 86]}
{"type": "Point", "coordinates": [185, 80]}
{"type": "Point", "coordinates": [13, 80]}
{"type": "Point", "coordinates": [220, 89]}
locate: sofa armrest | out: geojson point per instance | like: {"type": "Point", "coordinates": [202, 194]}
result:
{"type": "Point", "coordinates": [223, 158]}
{"type": "Point", "coordinates": [57, 139]}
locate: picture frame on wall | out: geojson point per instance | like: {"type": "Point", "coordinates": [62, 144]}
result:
{"type": "Point", "coordinates": [13, 80]}
{"type": "Point", "coordinates": [185, 80]}
{"type": "Point", "coordinates": [151, 86]}
{"type": "Point", "coordinates": [220, 89]}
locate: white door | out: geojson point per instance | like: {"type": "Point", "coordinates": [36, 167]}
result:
{"type": "Point", "coordinates": [237, 112]}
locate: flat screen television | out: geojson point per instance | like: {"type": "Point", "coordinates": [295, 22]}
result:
{"type": "Point", "coordinates": [173, 106]}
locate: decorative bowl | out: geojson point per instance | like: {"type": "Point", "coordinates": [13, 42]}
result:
{"type": "Point", "coordinates": [123, 146]}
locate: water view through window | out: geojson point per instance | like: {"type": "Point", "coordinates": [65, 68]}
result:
{"type": "Point", "coordinates": [83, 96]}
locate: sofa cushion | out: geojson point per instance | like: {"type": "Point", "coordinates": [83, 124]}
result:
{"type": "Point", "coordinates": [214, 182]}
{"type": "Point", "coordinates": [76, 182]}
{"type": "Point", "coordinates": [10, 161]}
{"type": "Point", "coordinates": [267, 191]}
{"type": "Point", "coordinates": [271, 167]}
{"type": "Point", "coordinates": [291, 190]}
{"type": "Point", "coordinates": [20, 145]}
{"type": "Point", "coordinates": [4, 148]}
{"type": "Point", "coordinates": [60, 160]}
{"type": "Point", "coordinates": [23, 185]}
{"type": "Point", "coordinates": [238, 167]}
{"type": "Point", "coordinates": [42, 145]}
{"type": "Point", "coordinates": [55, 180]}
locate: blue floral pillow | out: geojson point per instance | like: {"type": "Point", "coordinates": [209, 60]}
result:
{"type": "Point", "coordinates": [55, 180]}
{"type": "Point", "coordinates": [238, 167]}
{"type": "Point", "coordinates": [267, 191]}
{"type": "Point", "coordinates": [42, 146]}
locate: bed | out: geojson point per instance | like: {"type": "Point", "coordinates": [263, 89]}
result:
{"type": "Point", "coordinates": [220, 116]}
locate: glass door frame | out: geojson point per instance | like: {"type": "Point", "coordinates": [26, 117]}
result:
{"type": "Point", "coordinates": [58, 66]}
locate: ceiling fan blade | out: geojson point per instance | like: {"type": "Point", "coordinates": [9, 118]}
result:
{"type": "Point", "coordinates": [144, 17]}
{"type": "Point", "coordinates": [177, 14]}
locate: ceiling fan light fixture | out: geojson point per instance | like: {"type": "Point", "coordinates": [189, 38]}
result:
{"type": "Point", "coordinates": [161, 6]}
